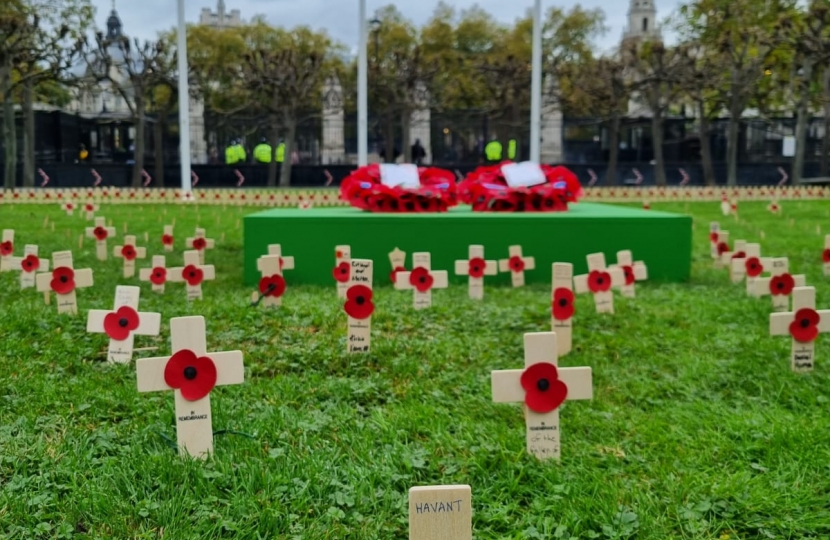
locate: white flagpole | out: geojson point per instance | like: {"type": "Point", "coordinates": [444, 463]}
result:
{"type": "Point", "coordinates": [536, 87]}
{"type": "Point", "coordinates": [362, 92]}
{"type": "Point", "coordinates": [184, 104]}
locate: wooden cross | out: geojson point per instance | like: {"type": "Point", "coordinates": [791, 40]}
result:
{"type": "Point", "coordinates": [421, 280]}
{"type": "Point", "coordinates": [599, 281]}
{"type": "Point", "coordinates": [728, 257]}
{"type": "Point", "coordinates": [129, 252]}
{"type": "Point", "coordinates": [359, 306]}
{"type": "Point", "coordinates": [804, 324]}
{"type": "Point", "coordinates": [200, 244]}
{"type": "Point", "coordinates": [562, 306]}
{"type": "Point", "coordinates": [780, 284]}
{"type": "Point", "coordinates": [191, 372]}
{"type": "Point", "coordinates": [825, 255]}
{"type": "Point", "coordinates": [440, 513]}
{"type": "Point", "coordinates": [397, 259]}
{"type": "Point", "coordinates": [476, 268]}
{"type": "Point", "coordinates": [100, 232]}
{"type": "Point", "coordinates": [167, 238]}
{"type": "Point", "coordinates": [90, 208]}
{"type": "Point", "coordinates": [286, 263]}
{"type": "Point", "coordinates": [751, 267]}
{"type": "Point", "coordinates": [68, 207]}
{"type": "Point", "coordinates": [193, 274]}
{"type": "Point", "coordinates": [157, 275]}
{"type": "Point", "coordinates": [272, 283]}
{"type": "Point", "coordinates": [714, 236]}
{"type": "Point", "coordinates": [63, 280]}
{"type": "Point", "coordinates": [28, 265]}
{"type": "Point", "coordinates": [542, 386]}
{"type": "Point", "coordinates": [632, 272]}
{"type": "Point", "coordinates": [7, 251]}
{"type": "Point", "coordinates": [516, 265]}
{"type": "Point", "coordinates": [123, 323]}
{"type": "Point", "coordinates": [342, 268]}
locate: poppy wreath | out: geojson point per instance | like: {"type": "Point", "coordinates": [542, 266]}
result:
{"type": "Point", "coordinates": [194, 376]}
{"type": "Point", "coordinates": [486, 190]}
{"type": "Point", "coordinates": [30, 263]}
{"type": "Point", "coordinates": [359, 303]}
{"type": "Point", "coordinates": [342, 272]}
{"type": "Point", "coordinates": [804, 327]}
{"type": "Point", "coordinates": [363, 189]}
{"type": "Point", "coordinates": [781, 285]}
{"type": "Point", "coordinates": [158, 276]}
{"type": "Point", "coordinates": [273, 286]}
{"type": "Point", "coordinates": [754, 268]}
{"type": "Point", "coordinates": [563, 304]}
{"type": "Point", "coordinates": [544, 391]}
{"type": "Point", "coordinates": [118, 324]}
{"type": "Point", "coordinates": [6, 248]}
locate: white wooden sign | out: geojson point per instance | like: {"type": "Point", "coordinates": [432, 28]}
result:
{"type": "Point", "coordinates": [397, 259]}
{"type": "Point", "coordinates": [7, 251]}
{"type": "Point", "coordinates": [29, 265]}
{"type": "Point", "coordinates": [272, 282]}
{"type": "Point", "coordinates": [476, 268]}
{"type": "Point", "coordinates": [440, 513]}
{"type": "Point", "coordinates": [63, 280]}
{"type": "Point", "coordinates": [200, 244]}
{"type": "Point", "coordinates": [422, 280]}
{"type": "Point", "coordinates": [192, 274]}
{"type": "Point", "coordinates": [404, 175]}
{"type": "Point", "coordinates": [342, 269]}
{"type": "Point", "coordinates": [167, 238]}
{"type": "Point", "coordinates": [523, 174]}
{"type": "Point", "coordinates": [517, 265]}
{"type": "Point", "coordinates": [100, 232]}
{"type": "Point", "coordinates": [562, 306]}
{"type": "Point", "coordinates": [129, 252]}
{"type": "Point", "coordinates": [632, 272]}
{"type": "Point", "coordinates": [803, 324]}
{"type": "Point", "coordinates": [599, 281]}
{"type": "Point", "coordinates": [157, 275]}
{"type": "Point", "coordinates": [359, 306]}
{"type": "Point", "coordinates": [780, 284]}
{"type": "Point", "coordinates": [123, 323]}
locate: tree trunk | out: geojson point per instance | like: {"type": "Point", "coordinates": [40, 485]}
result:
{"type": "Point", "coordinates": [158, 149]}
{"type": "Point", "coordinates": [406, 149]}
{"type": "Point", "coordinates": [138, 144]}
{"type": "Point", "coordinates": [9, 129]}
{"type": "Point", "coordinates": [657, 143]}
{"type": "Point", "coordinates": [613, 150]}
{"type": "Point", "coordinates": [285, 171]}
{"type": "Point", "coordinates": [825, 141]}
{"type": "Point", "coordinates": [274, 140]}
{"type": "Point", "coordinates": [28, 133]}
{"type": "Point", "coordinates": [801, 127]}
{"type": "Point", "coordinates": [705, 146]}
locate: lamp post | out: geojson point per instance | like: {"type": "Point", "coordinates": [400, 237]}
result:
{"type": "Point", "coordinates": [362, 92]}
{"type": "Point", "coordinates": [184, 105]}
{"type": "Point", "coordinates": [536, 87]}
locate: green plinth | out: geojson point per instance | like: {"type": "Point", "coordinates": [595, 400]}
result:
{"type": "Point", "coordinates": [661, 239]}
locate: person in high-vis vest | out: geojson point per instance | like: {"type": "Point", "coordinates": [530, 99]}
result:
{"type": "Point", "coordinates": [263, 152]}
{"type": "Point", "coordinates": [241, 154]}
{"type": "Point", "coordinates": [493, 151]}
{"type": "Point", "coordinates": [511, 149]}
{"type": "Point", "coordinates": [231, 156]}
{"type": "Point", "coordinates": [281, 151]}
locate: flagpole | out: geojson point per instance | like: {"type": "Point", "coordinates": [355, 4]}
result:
{"type": "Point", "coordinates": [362, 92]}
{"type": "Point", "coordinates": [536, 86]}
{"type": "Point", "coordinates": [184, 104]}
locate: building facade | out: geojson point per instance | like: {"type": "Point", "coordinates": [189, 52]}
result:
{"type": "Point", "coordinates": [221, 18]}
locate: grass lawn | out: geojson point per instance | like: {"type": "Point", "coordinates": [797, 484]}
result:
{"type": "Point", "coordinates": [698, 428]}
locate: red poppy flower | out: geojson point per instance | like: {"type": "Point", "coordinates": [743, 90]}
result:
{"type": "Point", "coordinates": [194, 375]}
{"type": "Point", "coordinates": [30, 263]}
{"type": "Point", "coordinates": [167, 239]}
{"type": "Point", "coordinates": [804, 327]}
{"type": "Point", "coordinates": [421, 279]}
{"type": "Point", "coordinates": [63, 280]}
{"type": "Point", "coordinates": [100, 233]}
{"type": "Point", "coordinates": [393, 275]}
{"type": "Point", "coordinates": [193, 275]}
{"type": "Point", "coordinates": [544, 392]}
{"type": "Point", "coordinates": [723, 247]}
{"type": "Point", "coordinates": [477, 266]}
{"type": "Point", "coordinates": [629, 274]}
{"type": "Point", "coordinates": [69, 206]}
{"type": "Point", "coordinates": [6, 248]}
{"type": "Point", "coordinates": [89, 208]}
{"type": "Point", "coordinates": [359, 302]}
{"type": "Point", "coordinates": [826, 255]}
{"type": "Point", "coordinates": [739, 255]}
{"type": "Point", "coordinates": [754, 268]}
{"type": "Point", "coordinates": [272, 286]}
{"type": "Point", "coordinates": [599, 281]}
{"type": "Point", "coordinates": [781, 285]}
{"type": "Point", "coordinates": [517, 264]}
{"type": "Point", "coordinates": [128, 252]}
{"type": "Point", "coordinates": [713, 237]}
{"type": "Point", "coordinates": [563, 304]}
{"type": "Point", "coordinates": [119, 324]}
{"type": "Point", "coordinates": [159, 276]}
{"type": "Point", "coordinates": [199, 244]}
{"type": "Point", "coordinates": [342, 272]}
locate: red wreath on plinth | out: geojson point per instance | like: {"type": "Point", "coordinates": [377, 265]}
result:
{"type": "Point", "coordinates": [363, 189]}
{"type": "Point", "coordinates": [486, 190]}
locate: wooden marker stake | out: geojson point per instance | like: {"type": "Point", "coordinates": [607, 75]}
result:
{"type": "Point", "coordinates": [804, 324]}
{"type": "Point", "coordinates": [192, 373]}
{"type": "Point", "coordinates": [825, 255]}
{"type": "Point", "coordinates": [100, 232]}
{"type": "Point", "coordinates": [342, 269]}
{"type": "Point", "coordinates": [63, 280]}
{"type": "Point", "coordinates": [599, 281]}
{"type": "Point", "coordinates": [397, 259]}
{"type": "Point", "coordinates": [157, 275]}
{"type": "Point", "coordinates": [167, 238]}
{"type": "Point", "coordinates": [200, 244]}
{"type": "Point", "coordinates": [422, 280]}
{"type": "Point", "coordinates": [440, 513]}
{"type": "Point", "coordinates": [129, 252]}
{"type": "Point", "coordinates": [29, 265]}
{"type": "Point", "coordinates": [562, 306]}
{"type": "Point", "coordinates": [193, 274]}
{"type": "Point", "coordinates": [632, 272]}
{"type": "Point", "coordinates": [542, 386]}
{"type": "Point", "coordinates": [272, 283]}
{"type": "Point", "coordinates": [517, 265]}
{"type": "Point", "coordinates": [359, 306]}
{"type": "Point", "coordinates": [780, 284]}
{"type": "Point", "coordinates": [123, 323]}
{"type": "Point", "coordinates": [476, 268]}
{"type": "Point", "coordinates": [7, 258]}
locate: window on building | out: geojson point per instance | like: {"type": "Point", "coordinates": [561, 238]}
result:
{"type": "Point", "coordinates": [645, 24]}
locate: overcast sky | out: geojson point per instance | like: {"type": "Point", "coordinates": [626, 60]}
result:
{"type": "Point", "coordinates": [144, 18]}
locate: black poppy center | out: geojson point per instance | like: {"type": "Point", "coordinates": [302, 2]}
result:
{"type": "Point", "coordinates": [563, 302]}
{"type": "Point", "coordinates": [805, 323]}
{"type": "Point", "coordinates": [123, 322]}
{"type": "Point", "coordinates": [190, 373]}
{"type": "Point", "coordinates": [193, 274]}
{"type": "Point", "coordinates": [422, 279]}
{"type": "Point", "coordinates": [475, 269]}
{"type": "Point", "coordinates": [64, 279]}
{"type": "Point", "coordinates": [600, 280]}
{"type": "Point", "coordinates": [543, 385]}
{"type": "Point", "coordinates": [360, 300]}
{"type": "Point", "coordinates": [343, 270]}
{"type": "Point", "coordinates": [780, 285]}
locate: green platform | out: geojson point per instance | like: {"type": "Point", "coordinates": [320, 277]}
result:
{"type": "Point", "coordinates": [661, 239]}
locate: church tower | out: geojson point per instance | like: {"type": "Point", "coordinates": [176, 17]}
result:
{"type": "Point", "coordinates": [115, 30]}
{"type": "Point", "coordinates": [642, 20]}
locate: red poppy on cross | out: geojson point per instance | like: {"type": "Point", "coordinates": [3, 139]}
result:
{"type": "Point", "coordinates": [123, 323]}
{"type": "Point", "coordinates": [803, 324]}
{"type": "Point", "coordinates": [476, 267]}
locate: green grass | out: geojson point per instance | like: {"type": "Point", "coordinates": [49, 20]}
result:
{"type": "Point", "coordinates": [698, 428]}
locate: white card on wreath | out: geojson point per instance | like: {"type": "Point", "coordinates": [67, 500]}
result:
{"type": "Point", "coordinates": [405, 176]}
{"type": "Point", "coordinates": [524, 174]}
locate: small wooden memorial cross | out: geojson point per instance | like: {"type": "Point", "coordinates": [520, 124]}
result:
{"type": "Point", "coordinates": [476, 268]}
{"type": "Point", "coordinates": [722, 247]}
{"type": "Point", "coordinates": [129, 252]}
{"type": "Point", "coordinates": [632, 272]}
{"type": "Point", "coordinates": [29, 265]}
{"type": "Point", "coordinates": [780, 284]}
{"type": "Point", "coordinates": [825, 255]}
{"type": "Point", "coordinates": [90, 208]}
{"type": "Point", "coordinates": [167, 239]}
{"type": "Point", "coordinates": [123, 323]}
{"type": "Point", "coordinates": [422, 279]}
{"type": "Point", "coordinates": [272, 283]}
{"type": "Point", "coordinates": [397, 259]}
{"type": "Point", "coordinates": [68, 207]}
{"type": "Point", "coordinates": [804, 324]}
{"type": "Point", "coordinates": [157, 275]}
{"type": "Point", "coordinates": [200, 244]}
{"type": "Point", "coordinates": [599, 281]}
{"type": "Point", "coordinates": [7, 251]}
{"type": "Point", "coordinates": [517, 265]}
{"type": "Point", "coordinates": [543, 387]}
{"type": "Point", "coordinates": [714, 238]}
{"type": "Point", "coordinates": [63, 280]}
{"type": "Point", "coordinates": [193, 274]}
{"type": "Point", "coordinates": [192, 373]}
{"type": "Point", "coordinates": [562, 306]}
{"type": "Point", "coordinates": [286, 263]}
{"type": "Point", "coordinates": [100, 232]}
{"type": "Point", "coordinates": [752, 266]}
{"type": "Point", "coordinates": [342, 269]}
{"type": "Point", "coordinates": [440, 513]}
{"type": "Point", "coordinates": [359, 306]}
{"type": "Point", "coordinates": [728, 257]}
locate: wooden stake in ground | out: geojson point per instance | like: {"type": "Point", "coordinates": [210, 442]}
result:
{"type": "Point", "coordinates": [192, 373]}
{"type": "Point", "coordinates": [562, 306]}
{"type": "Point", "coordinates": [780, 284]}
{"type": "Point", "coordinates": [193, 274]}
{"type": "Point", "coordinates": [543, 387]}
{"type": "Point", "coordinates": [421, 280]}
{"type": "Point", "coordinates": [397, 259]}
{"type": "Point", "coordinates": [722, 247]}
{"type": "Point", "coordinates": [714, 238]}
{"type": "Point", "coordinates": [632, 272]}
{"type": "Point", "coordinates": [129, 252]}
{"type": "Point", "coordinates": [517, 265]}
{"type": "Point", "coordinates": [825, 255]}
{"type": "Point", "coordinates": [272, 283]}
{"type": "Point", "coordinates": [440, 513]}
{"type": "Point", "coordinates": [63, 280]}
{"type": "Point", "coordinates": [359, 306]}
{"type": "Point", "coordinates": [476, 268]}
{"type": "Point", "coordinates": [90, 208]}
{"type": "Point", "coordinates": [342, 269]}
{"type": "Point", "coordinates": [167, 239]}
{"type": "Point", "coordinates": [804, 324]}
{"type": "Point", "coordinates": [728, 258]}
{"type": "Point", "coordinates": [599, 281]}
{"type": "Point", "coordinates": [100, 232]}
{"type": "Point", "coordinates": [157, 275]}
{"type": "Point", "coordinates": [28, 265]}
{"type": "Point", "coordinates": [7, 251]}
{"type": "Point", "coordinates": [200, 244]}
{"type": "Point", "coordinates": [123, 323]}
